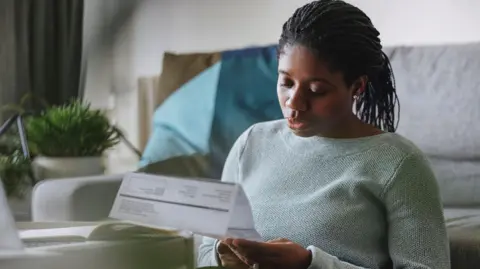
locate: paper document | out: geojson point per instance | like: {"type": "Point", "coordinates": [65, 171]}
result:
{"type": "Point", "coordinates": [103, 231]}
{"type": "Point", "coordinates": [206, 207]}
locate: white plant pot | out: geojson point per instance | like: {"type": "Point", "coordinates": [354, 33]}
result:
{"type": "Point", "coordinates": [66, 167]}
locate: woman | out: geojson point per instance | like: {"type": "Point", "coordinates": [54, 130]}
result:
{"type": "Point", "coordinates": [340, 187]}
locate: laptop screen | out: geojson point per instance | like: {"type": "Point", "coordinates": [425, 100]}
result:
{"type": "Point", "coordinates": [9, 238]}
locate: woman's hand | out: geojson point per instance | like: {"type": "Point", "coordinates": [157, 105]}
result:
{"type": "Point", "coordinates": [275, 254]}
{"type": "Point", "coordinates": [228, 258]}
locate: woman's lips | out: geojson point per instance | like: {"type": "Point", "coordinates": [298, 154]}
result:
{"type": "Point", "coordinates": [296, 124]}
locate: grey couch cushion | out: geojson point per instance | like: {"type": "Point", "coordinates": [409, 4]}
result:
{"type": "Point", "coordinates": [439, 91]}
{"type": "Point", "coordinates": [463, 230]}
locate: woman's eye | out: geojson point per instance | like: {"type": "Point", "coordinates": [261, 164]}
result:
{"type": "Point", "coordinates": [318, 91]}
{"type": "Point", "coordinates": [286, 84]}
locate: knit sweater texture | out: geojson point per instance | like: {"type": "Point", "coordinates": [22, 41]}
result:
{"type": "Point", "coordinates": [370, 202]}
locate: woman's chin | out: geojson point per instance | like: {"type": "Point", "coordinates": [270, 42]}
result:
{"type": "Point", "coordinates": [302, 132]}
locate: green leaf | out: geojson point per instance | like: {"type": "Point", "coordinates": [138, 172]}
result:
{"type": "Point", "coordinates": [71, 130]}
{"type": "Point", "coordinates": [15, 173]}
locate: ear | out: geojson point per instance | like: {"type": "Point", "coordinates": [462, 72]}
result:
{"type": "Point", "coordinates": [359, 85]}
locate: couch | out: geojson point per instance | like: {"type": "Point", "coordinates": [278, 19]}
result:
{"type": "Point", "coordinates": [438, 88]}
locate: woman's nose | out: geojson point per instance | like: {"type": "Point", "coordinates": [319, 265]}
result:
{"type": "Point", "coordinates": [297, 101]}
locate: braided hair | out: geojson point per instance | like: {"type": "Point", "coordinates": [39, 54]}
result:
{"type": "Point", "coordinates": [343, 36]}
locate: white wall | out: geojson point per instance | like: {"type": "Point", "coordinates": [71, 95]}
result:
{"type": "Point", "coordinates": [194, 25]}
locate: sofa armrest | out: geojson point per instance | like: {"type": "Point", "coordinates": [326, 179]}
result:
{"type": "Point", "coordinates": [75, 199]}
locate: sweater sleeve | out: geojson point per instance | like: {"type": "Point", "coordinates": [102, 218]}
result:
{"type": "Point", "coordinates": [417, 237]}
{"type": "Point", "coordinates": [207, 252]}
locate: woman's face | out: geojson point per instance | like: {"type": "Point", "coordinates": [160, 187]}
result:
{"type": "Point", "coordinates": [313, 99]}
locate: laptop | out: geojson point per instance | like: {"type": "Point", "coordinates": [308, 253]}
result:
{"type": "Point", "coordinates": [50, 249]}
{"type": "Point", "coordinates": [10, 240]}
{"type": "Point", "coordinates": [9, 237]}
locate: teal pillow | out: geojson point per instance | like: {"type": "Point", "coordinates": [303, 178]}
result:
{"type": "Point", "coordinates": [182, 124]}
{"type": "Point", "coordinates": [246, 94]}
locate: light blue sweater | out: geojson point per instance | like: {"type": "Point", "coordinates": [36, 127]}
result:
{"type": "Point", "coordinates": [369, 202]}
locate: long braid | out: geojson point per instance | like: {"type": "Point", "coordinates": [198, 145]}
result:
{"type": "Point", "coordinates": [344, 36]}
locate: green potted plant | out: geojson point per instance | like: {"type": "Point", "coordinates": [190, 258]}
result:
{"type": "Point", "coordinates": [16, 175]}
{"type": "Point", "coordinates": [69, 140]}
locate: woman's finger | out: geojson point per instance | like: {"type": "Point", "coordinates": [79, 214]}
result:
{"type": "Point", "coordinates": [254, 250]}
{"type": "Point", "coordinates": [243, 258]}
{"type": "Point", "coordinates": [223, 248]}
{"type": "Point", "coordinates": [231, 261]}
{"type": "Point", "coordinates": [279, 240]}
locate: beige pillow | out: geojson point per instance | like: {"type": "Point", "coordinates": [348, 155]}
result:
{"type": "Point", "coordinates": [180, 68]}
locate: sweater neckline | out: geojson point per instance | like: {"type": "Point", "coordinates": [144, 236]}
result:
{"type": "Point", "coordinates": [326, 146]}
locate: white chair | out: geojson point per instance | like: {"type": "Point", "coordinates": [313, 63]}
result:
{"type": "Point", "coordinates": [75, 199]}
